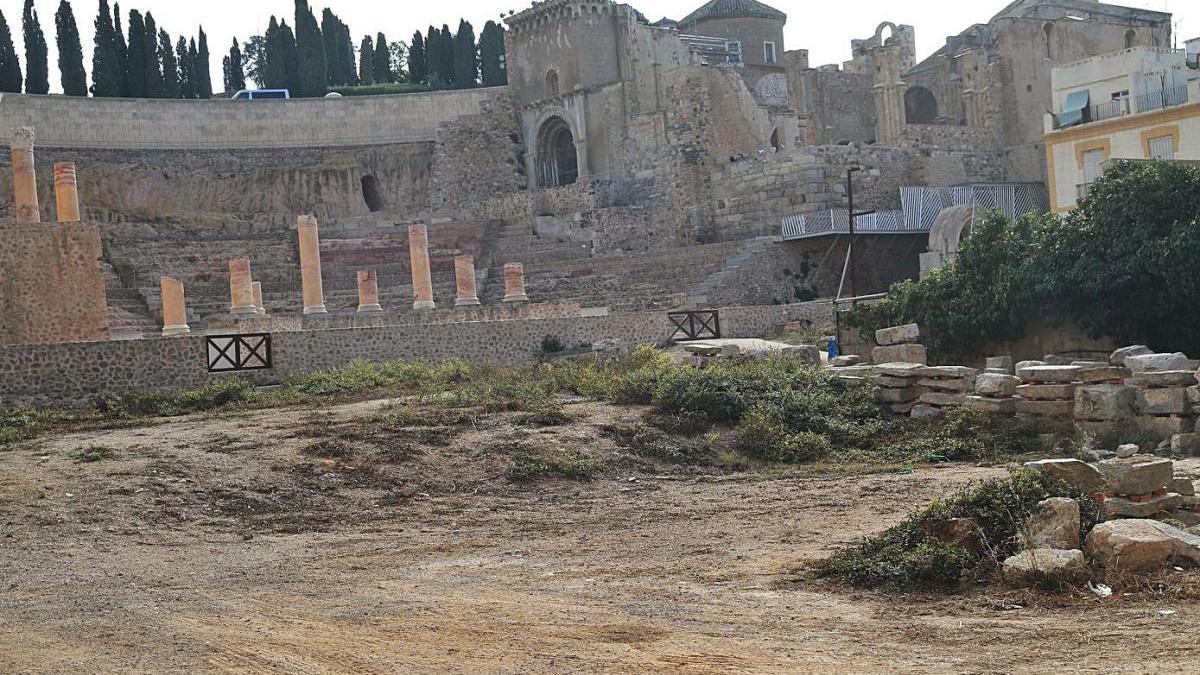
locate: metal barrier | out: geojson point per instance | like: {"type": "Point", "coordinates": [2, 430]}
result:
{"type": "Point", "coordinates": [695, 325]}
{"type": "Point", "coordinates": [232, 353]}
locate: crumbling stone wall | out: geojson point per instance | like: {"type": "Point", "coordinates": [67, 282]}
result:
{"type": "Point", "coordinates": [477, 158]}
{"type": "Point", "coordinates": [52, 287]}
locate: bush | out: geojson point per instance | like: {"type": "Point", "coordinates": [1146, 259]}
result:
{"type": "Point", "coordinates": [219, 394]}
{"type": "Point", "coordinates": [383, 89]}
{"type": "Point", "coordinates": [1106, 267]}
{"type": "Point", "coordinates": [906, 558]}
{"type": "Point", "coordinates": [761, 436]}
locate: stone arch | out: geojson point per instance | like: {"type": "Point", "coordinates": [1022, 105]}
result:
{"type": "Point", "coordinates": [556, 160]}
{"type": "Point", "coordinates": [888, 26]}
{"type": "Point", "coordinates": [776, 143]}
{"type": "Point", "coordinates": [371, 193]}
{"type": "Point", "coordinates": [920, 106]}
{"type": "Point", "coordinates": [552, 87]}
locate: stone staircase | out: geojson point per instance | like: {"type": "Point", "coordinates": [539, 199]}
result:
{"type": "Point", "coordinates": [698, 297]}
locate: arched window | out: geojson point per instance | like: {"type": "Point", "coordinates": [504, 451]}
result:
{"type": "Point", "coordinates": [552, 84]}
{"type": "Point", "coordinates": [556, 162]}
{"type": "Point", "coordinates": [920, 106]}
{"type": "Point", "coordinates": [775, 143]}
{"type": "Point", "coordinates": [1130, 38]}
{"type": "Point", "coordinates": [371, 195]}
{"type": "Point", "coordinates": [1048, 29]}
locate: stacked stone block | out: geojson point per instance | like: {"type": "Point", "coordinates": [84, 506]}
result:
{"type": "Point", "coordinates": [943, 387]}
{"type": "Point", "coordinates": [995, 393]}
{"type": "Point", "coordinates": [1139, 487]}
{"type": "Point", "coordinates": [898, 344]}
{"type": "Point", "coordinates": [1048, 391]}
{"type": "Point", "coordinates": [1161, 384]}
{"type": "Point", "coordinates": [897, 385]}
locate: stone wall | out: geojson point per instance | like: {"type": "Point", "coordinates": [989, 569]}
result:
{"type": "Point", "coordinates": [51, 286]}
{"type": "Point", "coordinates": [76, 373]}
{"type": "Point", "coordinates": [70, 122]}
{"type": "Point", "coordinates": [478, 158]}
{"type": "Point", "coordinates": [841, 104]}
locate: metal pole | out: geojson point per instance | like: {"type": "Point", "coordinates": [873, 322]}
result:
{"type": "Point", "coordinates": [850, 247]}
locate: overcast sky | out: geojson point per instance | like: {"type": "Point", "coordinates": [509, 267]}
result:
{"type": "Point", "coordinates": [824, 28]}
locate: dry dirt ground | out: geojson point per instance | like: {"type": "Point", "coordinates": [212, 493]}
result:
{"type": "Point", "coordinates": [238, 543]}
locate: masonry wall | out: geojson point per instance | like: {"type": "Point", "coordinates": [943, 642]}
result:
{"type": "Point", "coordinates": [71, 122]}
{"type": "Point", "coordinates": [77, 373]}
{"type": "Point", "coordinates": [51, 287]}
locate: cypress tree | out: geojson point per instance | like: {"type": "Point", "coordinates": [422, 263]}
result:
{"type": "Point", "coordinates": [187, 76]}
{"type": "Point", "coordinates": [313, 73]}
{"type": "Point", "coordinates": [169, 66]}
{"type": "Point", "coordinates": [289, 59]}
{"type": "Point", "coordinates": [491, 55]}
{"type": "Point", "coordinates": [10, 66]}
{"type": "Point", "coordinates": [383, 60]}
{"type": "Point", "coordinates": [235, 74]}
{"type": "Point", "coordinates": [466, 58]}
{"type": "Point", "coordinates": [201, 69]}
{"type": "Point", "coordinates": [446, 46]}
{"type": "Point", "coordinates": [136, 64]}
{"type": "Point", "coordinates": [366, 61]}
{"type": "Point", "coordinates": [345, 48]}
{"type": "Point", "coordinates": [418, 62]}
{"type": "Point", "coordinates": [70, 51]}
{"type": "Point", "coordinates": [121, 49]}
{"type": "Point", "coordinates": [106, 62]}
{"type": "Point", "coordinates": [37, 59]}
{"type": "Point", "coordinates": [433, 56]}
{"type": "Point", "coordinates": [154, 80]}
{"type": "Point", "coordinates": [329, 40]}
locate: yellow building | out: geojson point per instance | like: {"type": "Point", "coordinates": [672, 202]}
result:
{"type": "Point", "coordinates": [1139, 103]}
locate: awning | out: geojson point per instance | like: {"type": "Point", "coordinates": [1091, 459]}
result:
{"type": "Point", "coordinates": [1075, 110]}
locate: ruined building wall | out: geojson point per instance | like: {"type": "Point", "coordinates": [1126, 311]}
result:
{"type": "Point", "coordinates": [52, 288]}
{"type": "Point", "coordinates": [841, 105]}
{"type": "Point", "coordinates": [477, 159]}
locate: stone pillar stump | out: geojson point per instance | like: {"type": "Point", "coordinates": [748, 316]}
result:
{"type": "Point", "coordinates": [174, 309]}
{"type": "Point", "coordinates": [368, 292]}
{"type": "Point", "coordinates": [514, 283]}
{"type": "Point", "coordinates": [418, 247]}
{"type": "Point", "coordinates": [258, 301]}
{"type": "Point", "coordinates": [241, 288]}
{"type": "Point", "coordinates": [66, 194]}
{"type": "Point", "coordinates": [25, 197]}
{"type": "Point", "coordinates": [464, 279]}
{"type": "Point", "coordinates": [310, 266]}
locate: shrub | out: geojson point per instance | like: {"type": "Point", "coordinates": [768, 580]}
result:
{"type": "Point", "coordinates": [219, 394]}
{"type": "Point", "coordinates": [761, 436]}
{"type": "Point", "coordinates": [551, 344]}
{"type": "Point", "coordinates": [904, 557]}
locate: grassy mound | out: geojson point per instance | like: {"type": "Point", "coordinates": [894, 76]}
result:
{"type": "Point", "coordinates": [907, 557]}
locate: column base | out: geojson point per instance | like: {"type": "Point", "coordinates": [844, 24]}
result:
{"type": "Point", "coordinates": [176, 329]}
{"type": "Point", "coordinates": [467, 302]}
{"type": "Point", "coordinates": [516, 298]}
{"type": "Point", "coordinates": [424, 304]}
{"type": "Point", "coordinates": [370, 309]}
{"type": "Point", "coordinates": [319, 309]}
{"type": "Point", "coordinates": [261, 311]}
{"type": "Point", "coordinates": [243, 311]}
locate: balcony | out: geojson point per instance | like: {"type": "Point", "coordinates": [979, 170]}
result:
{"type": "Point", "coordinates": [1120, 107]}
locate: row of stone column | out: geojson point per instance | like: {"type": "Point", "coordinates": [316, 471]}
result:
{"type": "Point", "coordinates": [246, 294]}
{"type": "Point", "coordinates": [25, 196]}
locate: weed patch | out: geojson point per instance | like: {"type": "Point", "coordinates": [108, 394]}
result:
{"type": "Point", "coordinates": [93, 453]}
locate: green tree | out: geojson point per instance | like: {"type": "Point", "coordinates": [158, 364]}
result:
{"type": "Point", "coordinates": [466, 57]}
{"type": "Point", "coordinates": [418, 62]}
{"type": "Point", "coordinates": [152, 62]}
{"type": "Point", "coordinates": [253, 51]}
{"type": "Point", "coordinates": [187, 76]}
{"type": "Point", "coordinates": [366, 61]}
{"type": "Point", "coordinates": [446, 47]}
{"type": "Point", "coordinates": [202, 68]}
{"type": "Point", "coordinates": [491, 55]}
{"type": "Point", "coordinates": [398, 53]}
{"type": "Point", "coordinates": [169, 66]}
{"type": "Point", "coordinates": [433, 56]}
{"type": "Point", "coordinates": [345, 51]}
{"type": "Point", "coordinates": [106, 61]}
{"type": "Point", "coordinates": [70, 52]}
{"type": "Point", "coordinates": [121, 49]}
{"type": "Point", "coordinates": [235, 75]}
{"type": "Point", "coordinates": [383, 61]}
{"type": "Point", "coordinates": [37, 59]}
{"type": "Point", "coordinates": [313, 76]}
{"type": "Point", "coordinates": [10, 66]}
{"type": "Point", "coordinates": [136, 63]}
{"type": "Point", "coordinates": [280, 57]}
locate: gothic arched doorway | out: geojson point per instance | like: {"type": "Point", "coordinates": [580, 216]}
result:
{"type": "Point", "coordinates": [920, 106]}
{"type": "Point", "coordinates": [556, 159]}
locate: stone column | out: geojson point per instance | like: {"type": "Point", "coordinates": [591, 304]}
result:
{"type": "Point", "coordinates": [241, 288]}
{"type": "Point", "coordinates": [514, 283]}
{"type": "Point", "coordinates": [310, 266]}
{"type": "Point", "coordinates": [464, 278]}
{"type": "Point", "coordinates": [256, 287]}
{"type": "Point", "coordinates": [66, 195]}
{"type": "Point", "coordinates": [418, 248]}
{"type": "Point", "coordinates": [25, 197]}
{"type": "Point", "coordinates": [174, 309]}
{"type": "Point", "coordinates": [368, 292]}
